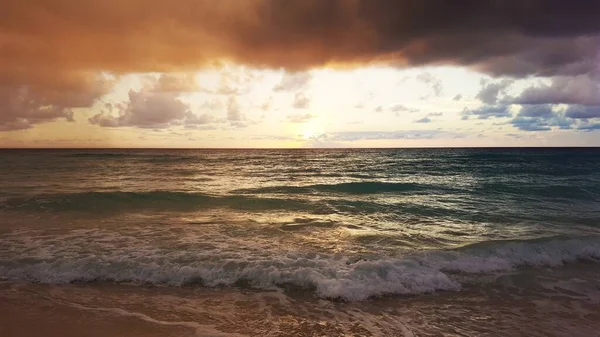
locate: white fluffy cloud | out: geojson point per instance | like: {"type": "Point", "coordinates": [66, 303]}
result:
{"type": "Point", "coordinates": [157, 105]}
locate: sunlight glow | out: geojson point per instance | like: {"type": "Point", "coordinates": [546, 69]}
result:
{"type": "Point", "coordinates": [312, 129]}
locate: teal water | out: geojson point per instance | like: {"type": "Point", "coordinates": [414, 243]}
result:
{"type": "Point", "coordinates": [337, 224]}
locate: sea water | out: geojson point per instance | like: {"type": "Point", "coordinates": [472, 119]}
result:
{"type": "Point", "coordinates": [309, 242]}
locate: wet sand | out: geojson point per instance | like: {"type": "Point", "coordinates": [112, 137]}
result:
{"type": "Point", "coordinates": [33, 312]}
{"type": "Point", "coordinates": [103, 310]}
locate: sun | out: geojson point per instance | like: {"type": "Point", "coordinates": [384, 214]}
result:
{"type": "Point", "coordinates": [308, 134]}
{"type": "Point", "coordinates": [312, 129]}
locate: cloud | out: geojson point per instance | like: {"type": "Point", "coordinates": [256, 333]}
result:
{"type": "Point", "coordinates": [542, 110]}
{"type": "Point", "coordinates": [435, 83]}
{"type": "Point", "coordinates": [53, 51]}
{"type": "Point", "coordinates": [293, 82]}
{"type": "Point", "coordinates": [214, 104]}
{"type": "Point", "coordinates": [490, 91]}
{"type": "Point", "coordinates": [267, 104]}
{"type": "Point", "coordinates": [488, 111]}
{"type": "Point", "coordinates": [542, 117]}
{"type": "Point", "coordinates": [145, 110]}
{"type": "Point", "coordinates": [24, 105]}
{"type": "Point", "coordinates": [427, 118]}
{"type": "Point", "coordinates": [501, 37]}
{"type": "Point", "coordinates": [581, 90]}
{"type": "Point", "coordinates": [380, 135]}
{"type": "Point", "coordinates": [541, 123]}
{"type": "Point", "coordinates": [583, 112]}
{"type": "Point", "coordinates": [397, 108]}
{"type": "Point", "coordinates": [590, 127]}
{"type": "Point", "coordinates": [300, 118]}
{"type": "Point", "coordinates": [271, 137]}
{"type": "Point", "coordinates": [22, 108]}
{"type": "Point", "coordinates": [301, 101]}
{"type": "Point", "coordinates": [233, 110]}
{"type": "Point", "coordinates": [233, 80]}
{"type": "Point", "coordinates": [541, 105]}
{"type": "Point", "coordinates": [365, 101]}
{"type": "Point", "coordinates": [457, 97]}
{"type": "Point", "coordinates": [193, 119]}
{"type": "Point", "coordinates": [545, 117]}
{"type": "Point", "coordinates": [155, 106]}
{"type": "Point", "coordinates": [173, 82]}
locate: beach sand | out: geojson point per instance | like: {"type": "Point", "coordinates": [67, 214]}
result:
{"type": "Point", "coordinates": [103, 310]}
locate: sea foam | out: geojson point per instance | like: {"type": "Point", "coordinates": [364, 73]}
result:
{"type": "Point", "coordinates": [331, 276]}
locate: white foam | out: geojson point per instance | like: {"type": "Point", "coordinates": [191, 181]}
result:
{"type": "Point", "coordinates": [332, 279]}
{"type": "Point", "coordinates": [89, 256]}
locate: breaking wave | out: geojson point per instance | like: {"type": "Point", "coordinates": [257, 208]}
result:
{"type": "Point", "coordinates": [351, 278]}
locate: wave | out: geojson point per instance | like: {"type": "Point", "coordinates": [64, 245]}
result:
{"type": "Point", "coordinates": [140, 156]}
{"type": "Point", "coordinates": [98, 155]}
{"type": "Point", "coordinates": [351, 278]}
{"type": "Point", "coordinates": [165, 200]}
{"type": "Point", "coordinates": [370, 187]}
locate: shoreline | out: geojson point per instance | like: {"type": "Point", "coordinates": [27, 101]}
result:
{"type": "Point", "coordinates": [104, 309]}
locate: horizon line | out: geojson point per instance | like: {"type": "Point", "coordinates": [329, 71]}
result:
{"type": "Point", "coordinates": [300, 148]}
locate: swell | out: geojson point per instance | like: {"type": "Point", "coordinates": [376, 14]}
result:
{"type": "Point", "coordinates": [352, 278]}
{"type": "Point", "coordinates": [572, 191]}
{"type": "Point", "coordinates": [100, 155]}
{"type": "Point", "coordinates": [142, 157]}
{"type": "Point", "coordinates": [369, 187]}
{"type": "Point", "coordinates": [163, 200]}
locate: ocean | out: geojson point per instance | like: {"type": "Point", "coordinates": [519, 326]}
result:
{"type": "Point", "coordinates": [303, 242]}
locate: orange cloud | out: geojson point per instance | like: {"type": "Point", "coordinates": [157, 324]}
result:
{"type": "Point", "coordinates": [155, 35]}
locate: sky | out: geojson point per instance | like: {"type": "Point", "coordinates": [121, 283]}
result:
{"type": "Point", "coordinates": [299, 73]}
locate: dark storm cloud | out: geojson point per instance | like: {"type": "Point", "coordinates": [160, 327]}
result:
{"type": "Point", "coordinates": [508, 37]}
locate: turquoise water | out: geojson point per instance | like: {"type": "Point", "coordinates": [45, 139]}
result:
{"type": "Point", "coordinates": [336, 224]}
